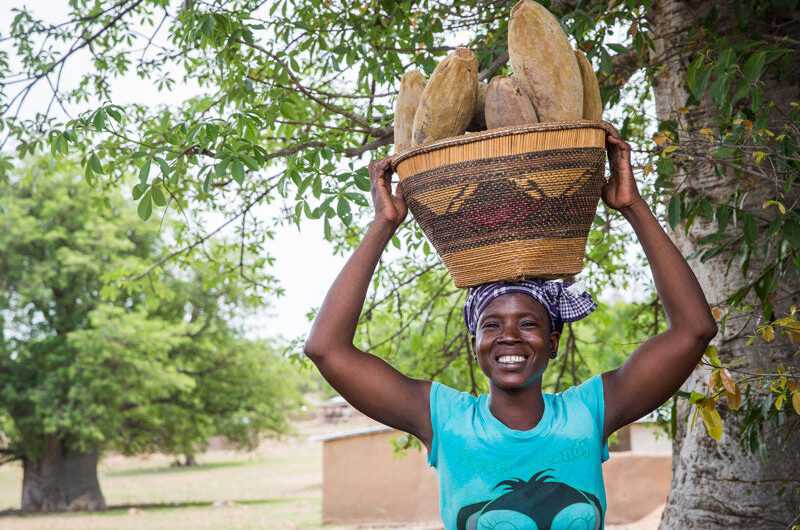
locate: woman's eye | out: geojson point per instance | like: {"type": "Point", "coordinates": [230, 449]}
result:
{"type": "Point", "coordinates": [490, 325]}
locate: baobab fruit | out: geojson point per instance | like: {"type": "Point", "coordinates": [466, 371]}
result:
{"type": "Point", "coordinates": [411, 86]}
{"type": "Point", "coordinates": [592, 104]}
{"type": "Point", "coordinates": [507, 104]}
{"type": "Point", "coordinates": [448, 101]}
{"type": "Point", "coordinates": [544, 63]}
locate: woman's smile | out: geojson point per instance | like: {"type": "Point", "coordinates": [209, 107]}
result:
{"type": "Point", "coordinates": [514, 340]}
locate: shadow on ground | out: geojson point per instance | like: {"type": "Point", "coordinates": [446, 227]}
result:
{"type": "Point", "coordinates": [120, 508]}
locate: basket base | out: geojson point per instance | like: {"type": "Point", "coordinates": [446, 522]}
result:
{"type": "Point", "coordinates": [516, 260]}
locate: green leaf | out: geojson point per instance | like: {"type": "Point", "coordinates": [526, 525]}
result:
{"type": "Point", "coordinates": [361, 181]}
{"type": "Point", "coordinates": [221, 166]}
{"type": "Point", "coordinates": [723, 215]}
{"type": "Point", "coordinates": [237, 171]}
{"type": "Point", "coordinates": [207, 181]}
{"type": "Point", "coordinates": [99, 120]}
{"type": "Point", "coordinates": [138, 191]}
{"type": "Point", "coordinates": [754, 66]}
{"type": "Point", "coordinates": [702, 82]}
{"type": "Point", "coordinates": [343, 210]}
{"type": "Point", "coordinates": [165, 169]}
{"type": "Point", "coordinates": [741, 92]}
{"type": "Point", "coordinates": [696, 67]}
{"type": "Point", "coordinates": [115, 114]}
{"type": "Point", "coordinates": [619, 48]}
{"type": "Point", "coordinates": [88, 176]}
{"type": "Point", "coordinates": [724, 152]}
{"type": "Point", "coordinates": [726, 58]}
{"type": "Point", "coordinates": [674, 211]}
{"type": "Point", "coordinates": [144, 172]}
{"type": "Point", "coordinates": [327, 231]}
{"type": "Point", "coordinates": [605, 62]}
{"type": "Point", "coordinates": [145, 207]}
{"type": "Point", "coordinates": [720, 89]}
{"type": "Point", "coordinates": [157, 195]}
{"type": "Point", "coordinates": [249, 161]}
{"type": "Point", "coordinates": [696, 397]}
{"type": "Point", "coordinates": [97, 167]}
{"type": "Point", "coordinates": [666, 168]}
{"type": "Point", "coordinates": [750, 229]}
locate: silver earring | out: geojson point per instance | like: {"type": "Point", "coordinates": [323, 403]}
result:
{"type": "Point", "coordinates": [553, 354]}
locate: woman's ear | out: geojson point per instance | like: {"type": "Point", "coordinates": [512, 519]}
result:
{"type": "Point", "coordinates": [474, 352]}
{"type": "Point", "coordinates": [554, 337]}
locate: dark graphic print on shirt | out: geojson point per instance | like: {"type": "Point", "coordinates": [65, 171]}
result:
{"type": "Point", "coordinates": [538, 504]}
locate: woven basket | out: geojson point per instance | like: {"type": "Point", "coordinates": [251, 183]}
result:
{"type": "Point", "coordinates": [508, 204]}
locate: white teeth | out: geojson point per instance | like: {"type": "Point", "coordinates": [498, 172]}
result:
{"type": "Point", "coordinates": [507, 359]}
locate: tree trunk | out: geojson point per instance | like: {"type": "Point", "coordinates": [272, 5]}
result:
{"type": "Point", "coordinates": [61, 481]}
{"type": "Point", "coordinates": [715, 484]}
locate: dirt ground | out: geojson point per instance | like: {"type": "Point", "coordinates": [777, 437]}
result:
{"type": "Point", "coordinates": [277, 486]}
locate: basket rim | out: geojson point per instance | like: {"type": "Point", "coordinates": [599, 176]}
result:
{"type": "Point", "coordinates": [496, 133]}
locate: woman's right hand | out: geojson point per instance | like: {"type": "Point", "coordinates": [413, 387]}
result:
{"type": "Point", "coordinates": [388, 207]}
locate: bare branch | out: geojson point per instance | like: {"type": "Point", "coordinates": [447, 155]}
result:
{"type": "Point", "coordinates": [495, 65]}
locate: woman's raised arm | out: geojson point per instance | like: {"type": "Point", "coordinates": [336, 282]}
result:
{"type": "Point", "coordinates": [661, 364]}
{"type": "Point", "coordinates": [367, 382]}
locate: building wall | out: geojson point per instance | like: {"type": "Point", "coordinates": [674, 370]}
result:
{"type": "Point", "coordinates": [364, 483]}
{"type": "Point", "coordinates": [636, 484]}
{"type": "Point", "coordinates": [650, 439]}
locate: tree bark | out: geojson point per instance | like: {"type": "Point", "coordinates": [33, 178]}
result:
{"type": "Point", "coordinates": [715, 484]}
{"type": "Point", "coordinates": [61, 481]}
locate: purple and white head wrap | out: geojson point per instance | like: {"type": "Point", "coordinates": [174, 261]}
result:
{"type": "Point", "coordinates": [565, 302]}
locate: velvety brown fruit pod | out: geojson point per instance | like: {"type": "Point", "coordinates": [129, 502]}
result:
{"type": "Point", "coordinates": [412, 85]}
{"type": "Point", "coordinates": [507, 104]}
{"type": "Point", "coordinates": [592, 104]}
{"type": "Point", "coordinates": [448, 100]}
{"type": "Point", "coordinates": [478, 122]}
{"type": "Point", "coordinates": [544, 63]}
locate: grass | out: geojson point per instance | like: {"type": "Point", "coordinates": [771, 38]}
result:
{"type": "Point", "coordinates": [276, 486]}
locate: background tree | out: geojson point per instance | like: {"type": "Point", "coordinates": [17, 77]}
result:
{"type": "Point", "coordinates": [87, 368]}
{"type": "Point", "coordinates": [293, 92]}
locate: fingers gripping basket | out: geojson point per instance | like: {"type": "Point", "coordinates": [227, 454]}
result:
{"type": "Point", "coordinates": [510, 203]}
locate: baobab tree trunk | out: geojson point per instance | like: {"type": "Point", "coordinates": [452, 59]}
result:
{"type": "Point", "coordinates": [715, 484]}
{"type": "Point", "coordinates": [61, 481]}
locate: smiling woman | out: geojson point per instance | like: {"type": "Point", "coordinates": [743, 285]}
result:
{"type": "Point", "coordinates": [517, 457]}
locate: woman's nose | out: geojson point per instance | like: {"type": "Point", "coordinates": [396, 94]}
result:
{"type": "Point", "coordinates": [510, 334]}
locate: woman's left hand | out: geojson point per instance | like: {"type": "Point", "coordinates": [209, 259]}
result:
{"type": "Point", "coordinates": [621, 191]}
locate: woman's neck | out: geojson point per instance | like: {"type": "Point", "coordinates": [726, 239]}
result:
{"type": "Point", "coordinates": [518, 409]}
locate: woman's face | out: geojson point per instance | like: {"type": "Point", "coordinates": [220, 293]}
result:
{"type": "Point", "coordinates": [513, 341]}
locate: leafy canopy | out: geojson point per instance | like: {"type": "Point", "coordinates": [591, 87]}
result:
{"type": "Point", "coordinates": [155, 366]}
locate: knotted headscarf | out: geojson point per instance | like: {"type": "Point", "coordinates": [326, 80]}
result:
{"type": "Point", "coordinates": [565, 302]}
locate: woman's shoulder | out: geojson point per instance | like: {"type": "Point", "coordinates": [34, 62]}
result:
{"type": "Point", "coordinates": [442, 392]}
{"type": "Point", "coordinates": [590, 392]}
{"type": "Point", "coordinates": [447, 401]}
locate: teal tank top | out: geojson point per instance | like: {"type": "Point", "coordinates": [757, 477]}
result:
{"type": "Point", "coordinates": [494, 477]}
